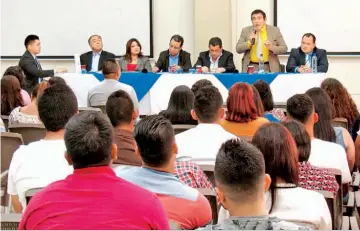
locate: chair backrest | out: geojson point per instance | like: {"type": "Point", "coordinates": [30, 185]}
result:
{"type": "Point", "coordinates": [94, 108]}
{"type": "Point", "coordinates": [30, 193]}
{"type": "Point", "coordinates": [29, 132]}
{"type": "Point", "coordinates": [10, 142]}
{"type": "Point", "coordinates": [341, 122]}
{"type": "Point", "coordinates": [10, 221]}
{"type": "Point", "coordinates": [336, 215]}
{"type": "Point", "coordinates": [338, 198]}
{"type": "Point", "coordinates": [5, 119]}
{"type": "Point", "coordinates": [179, 128]}
{"type": "Point", "coordinates": [211, 197]}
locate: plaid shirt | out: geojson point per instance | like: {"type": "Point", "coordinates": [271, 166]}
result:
{"type": "Point", "coordinates": [314, 178]}
{"type": "Point", "coordinates": [191, 174]}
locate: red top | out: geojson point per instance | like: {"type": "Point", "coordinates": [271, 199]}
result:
{"type": "Point", "coordinates": [131, 67]}
{"type": "Point", "coordinates": [94, 198]}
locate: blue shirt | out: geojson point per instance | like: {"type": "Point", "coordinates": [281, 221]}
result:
{"type": "Point", "coordinates": [271, 117]}
{"type": "Point", "coordinates": [173, 60]}
{"type": "Point", "coordinates": [95, 61]}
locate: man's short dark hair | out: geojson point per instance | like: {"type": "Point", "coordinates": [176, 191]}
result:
{"type": "Point", "coordinates": [258, 11]}
{"type": "Point", "coordinates": [154, 136]}
{"type": "Point", "coordinates": [88, 139]}
{"type": "Point", "coordinates": [56, 106]}
{"type": "Point", "coordinates": [200, 84]}
{"type": "Point", "coordinates": [56, 80]}
{"type": "Point", "coordinates": [110, 66]}
{"type": "Point", "coordinates": [309, 35]}
{"type": "Point", "coordinates": [299, 107]}
{"type": "Point", "coordinates": [208, 102]}
{"type": "Point", "coordinates": [93, 36]}
{"type": "Point", "coordinates": [215, 41]}
{"type": "Point", "coordinates": [178, 38]}
{"type": "Point", "coordinates": [239, 169]}
{"type": "Point", "coordinates": [30, 38]}
{"type": "Point", "coordinates": [119, 108]}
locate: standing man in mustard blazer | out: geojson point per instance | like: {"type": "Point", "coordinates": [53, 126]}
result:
{"type": "Point", "coordinates": [258, 39]}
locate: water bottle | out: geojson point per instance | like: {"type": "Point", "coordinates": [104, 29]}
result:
{"type": "Point", "coordinates": [314, 64]}
{"type": "Point", "coordinates": [261, 64]}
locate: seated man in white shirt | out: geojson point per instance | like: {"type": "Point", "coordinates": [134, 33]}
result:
{"type": "Point", "coordinates": [204, 141]}
{"type": "Point", "coordinates": [100, 93]}
{"type": "Point", "coordinates": [323, 154]}
{"type": "Point", "coordinates": [42, 162]}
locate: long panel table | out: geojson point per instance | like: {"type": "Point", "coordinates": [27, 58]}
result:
{"type": "Point", "coordinates": [153, 90]}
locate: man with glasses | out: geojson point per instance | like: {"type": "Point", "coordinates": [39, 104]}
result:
{"type": "Point", "coordinates": [174, 59]}
{"type": "Point", "coordinates": [216, 59]}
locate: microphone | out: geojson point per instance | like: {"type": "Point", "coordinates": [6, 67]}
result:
{"type": "Point", "coordinates": [144, 71]}
{"type": "Point", "coordinates": [253, 39]}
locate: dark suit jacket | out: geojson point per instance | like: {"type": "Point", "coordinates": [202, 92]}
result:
{"type": "Point", "coordinates": [297, 58]}
{"type": "Point", "coordinates": [163, 61]}
{"type": "Point", "coordinates": [226, 60]}
{"type": "Point", "coordinates": [32, 72]}
{"type": "Point", "coordinates": [86, 59]}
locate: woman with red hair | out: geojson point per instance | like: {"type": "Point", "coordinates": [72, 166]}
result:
{"type": "Point", "coordinates": [242, 116]}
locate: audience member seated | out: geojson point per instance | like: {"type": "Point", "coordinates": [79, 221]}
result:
{"type": "Point", "coordinates": [242, 118]}
{"type": "Point", "coordinates": [42, 162]}
{"type": "Point", "coordinates": [323, 154]}
{"type": "Point", "coordinates": [324, 130]}
{"type": "Point", "coordinates": [203, 141]}
{"type": "Point", "coordinates": [157, 147]}
{"type": "Point", "coordinates": [2, 126]}
{"type": "Point", "coordinates": [134, 60]}
{"type": "Point", "coordinates": [357, 148]}
{"type": "Point", "coordinates": [19, 74]}
{"type": "Point", "coordinates": [29, 114]}
{"type": "Point", "coordinates": [93, 198]}
{"type": "Point", "coordinates": [56, 80]}
{"type": "Point", "coordinates": [258, 102]}
{"type": "Point", "coordinates": [310, 177]}
{"type": "Point", "coordinates": [200, 84]}
{"type": "Point", "coordinates": [180, 104]}
{"type": "Point", "coordinates": [10, 94]}
{"type": "Point", "coordinates": [285, 199]}
{"type": "Point", "coordinates": [241, 184]}
{"type": "Point", "coordinates": [272, 114]}
{"type": "Point", "coordinates": [343, 104]}
{"type": "Point", "coordinates": [99, 94]}
{"type": "Point", "coordinates": [120, 111]}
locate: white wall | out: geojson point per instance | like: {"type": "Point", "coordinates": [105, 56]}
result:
{"type": "Point", "coordinates": [198, 20]}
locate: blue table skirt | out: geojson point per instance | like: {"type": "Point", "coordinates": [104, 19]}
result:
{"type": "Point", "coordinates": [143, 82]}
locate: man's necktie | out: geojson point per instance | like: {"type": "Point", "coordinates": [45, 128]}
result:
{"type": "Point", "coordinates": [308, 63]}
{"type": "Point", "coordinates": [259, 46]}
{"type": "Point", "coordinates": [37, 64]}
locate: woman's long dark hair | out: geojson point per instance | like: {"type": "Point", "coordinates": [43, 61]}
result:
{"type": "Point", "coordinates": [10, 94]}
{"type": "Point", "coordinates": [323, 129]}
{"type": "Point", "coordinates": [180, 104]}
{"type": "Point", "coordinates": [280, 153]}
{"type": "Point", "coordinates": [18, 73]}
{"type": "Point", "coordinates": [128, 49]}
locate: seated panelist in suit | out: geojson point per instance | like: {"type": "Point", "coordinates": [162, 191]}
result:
{"type": "Point", "coordinates": [31, 65]}
{"type": "Point", "coordinates": [134, 60]}
{"type": "Point", "coordinates": [258, 39]}
{"type": "Point", "coordinates": [175, 58]}
{"type": "Point", "coordinates": [300, 59]}
{"type": "Point", "coordinates": [94, 59]}
{"type": "Point", "coordinates": [216, 59]}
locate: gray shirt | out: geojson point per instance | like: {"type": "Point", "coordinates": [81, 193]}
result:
{"type": "Point", "coordinates": [99, 94]}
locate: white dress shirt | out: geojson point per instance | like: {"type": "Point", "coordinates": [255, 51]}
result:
{"type": "Point", "coordinates": [95, 61]}
{"type": "Point", "coordinates": [214, 64]}
{"type": "Point", "coordinates": [203, 141]}
{"type": "Point", "coordinates": [36, 165]}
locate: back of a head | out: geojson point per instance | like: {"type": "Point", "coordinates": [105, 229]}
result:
{"type": "Point", "coordinates": [208, 103]}
{"type": "Point", "coordinates": [258, 102]}
{"type": "Point", "coordinates": [119, 108]}
{"type": "Point", "coordinates": [154, 136]}
{"type": "Point", "coordinates": [18, 73]}
{"type": "Point", "coordinates": [265, 94]}
{"type": "Point", "coordinates": [10, 94]}
{"type": "Point", "coordinates": [280, 154]}
{"type": "Point", "coordinates": [200, 84]}
{"type": "Point", "coordinates": [300, 107]}
{"type": "Point", "coordinates": [240, 104]}
{"type": "Point", "coordinates": [88, 139]}
{"type": "Point", "coordinates": [239, 171]}
{"type": "Point", "coordinates": [56, 106]}
{"type": "Point", "coordinates": [181, 99]}
{"type": "Point", "coordinates": [56, 80]}
{"type": "Point", "coordinates": [39, 89]}
{"type": "Point", "coordinates": [301, 138]}
{"type": "Point", "coordinates": [323, 128]}
{"type": "Point", "coordinates": [110, 66]}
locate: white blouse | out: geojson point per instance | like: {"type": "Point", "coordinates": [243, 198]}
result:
{"type": "Point", "coordinates": [296, 205]}
{"type": "Point", "coordinates": [17, 117]}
